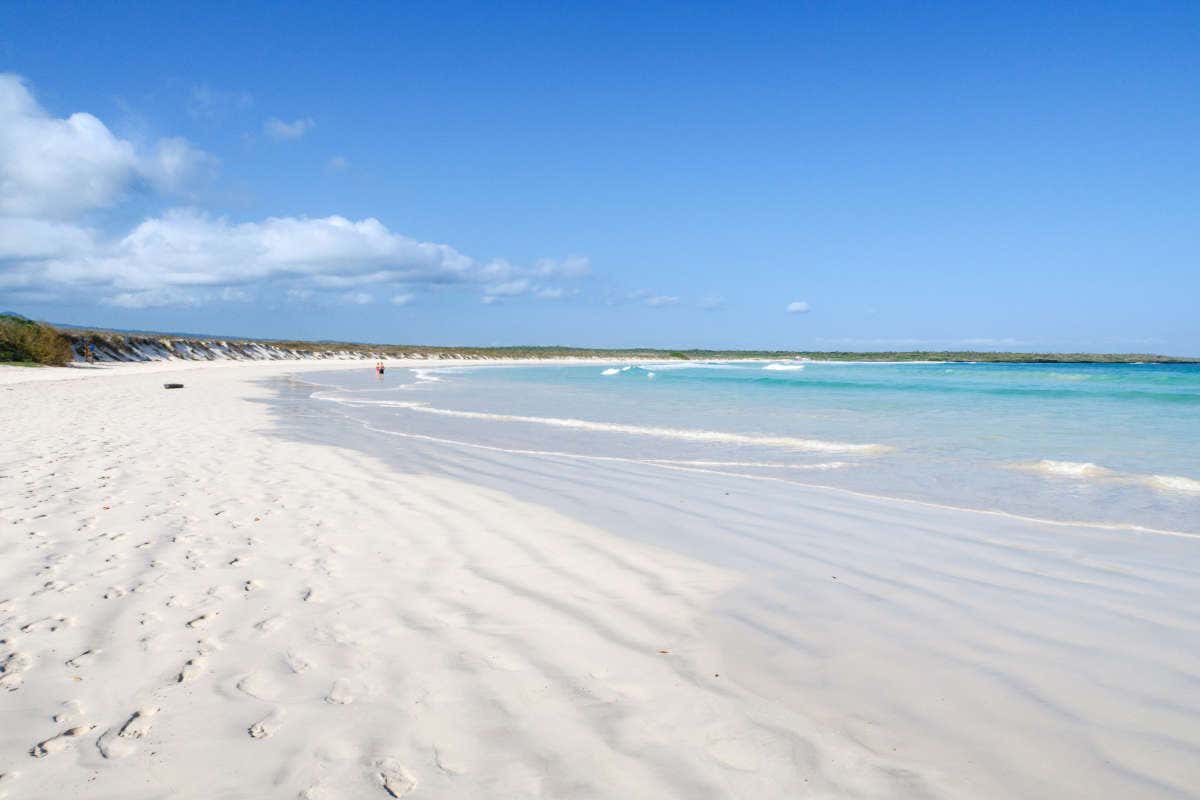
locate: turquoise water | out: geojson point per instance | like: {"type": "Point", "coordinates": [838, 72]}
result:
{"type": "Point", "coordinates": [1118, 444]}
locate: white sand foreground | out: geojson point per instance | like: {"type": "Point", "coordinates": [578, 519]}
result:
{"type": "Point", "coordinates": [193, 607]}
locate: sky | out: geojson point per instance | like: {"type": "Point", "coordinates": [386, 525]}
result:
{"type": "Point", "coordinates": [830, 176]}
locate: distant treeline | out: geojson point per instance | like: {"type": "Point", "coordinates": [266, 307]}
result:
{"type": "Point", "coordinates": [135, 345]}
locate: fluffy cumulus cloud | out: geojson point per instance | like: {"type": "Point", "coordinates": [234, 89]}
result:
{"type": "Point", "coordinates": [59, 175]}
{"type": "Point", "coordinates": [56, 169]}
{"type": "Point", "coordinates": [798, 307]}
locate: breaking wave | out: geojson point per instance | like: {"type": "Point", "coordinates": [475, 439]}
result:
{"type": "Point", "coordinates": [724, 437]}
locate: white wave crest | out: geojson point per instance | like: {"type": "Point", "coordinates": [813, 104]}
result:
{"type": "Point", "coordinates": [1073, 469]}
{"type": "Point", "coordinates": [827, 465]}
{"type": "Point", "coordinates": [1174, 483]}
{"type": "Point", "coordinates": [1085, 470]}
{"type": "Point", "coordinates": [784, 367]}
{"type": "Point", "coordinates": [610, 371]}
{"type": "Point", "coordinates": [724, 437]}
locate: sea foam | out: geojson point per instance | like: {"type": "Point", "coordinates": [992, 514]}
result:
{"type": "Point", "coordinates": [1073, 469]}
{"type": "Point", "coordinates": [784, 367]}
{"type": "Point", "coordinates": [723, 437]}
{"type": "Point", "coordinates": [1086, 470]}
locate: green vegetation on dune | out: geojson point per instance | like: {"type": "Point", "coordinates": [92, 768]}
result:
{"type": "Point", "coordinates": [24, 341]}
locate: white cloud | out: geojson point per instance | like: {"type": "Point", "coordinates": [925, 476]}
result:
{"type": "Point", "coordinates": [190, 251]}
{"type": "Point", "coordinates": [175, 164]}
{"type": "Point", "coordinates": [53, 167]}
{"type": "Point", "coordinates": [58, 176]}
{"type": "Point", "coordinates": [231, 294]}
{"type": "Point", "coordinates": [661, 300]}
{"type": "Point", "coordinates": [153, 298]}
{"type": "Point", "coordinates": [645, 297]}
{"type": "Point", "coordinates": [402, 299]}
{"type": "Point", "coordinates": [59, 169]}
{"type": "Point", "coordinates": [205, 102]}
{"type": "Point", "coordinates": [509, 288]}
{"type": "Point", "coordinates": [569, 267]}
{"type": "Point", "coordinates": [278, 129]}
{"type": "Point", "coordinates": [798, 307]}
{"type": "Point", "coordinates": [26, 239]}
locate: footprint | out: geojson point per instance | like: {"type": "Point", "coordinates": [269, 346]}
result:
{"type": "Point", "coordinates": [112, 746]}
{"type": "Point", "coordinates": [191, 670]}
{"type": "Point", "coordinates": [202, 620]}
{"type": "Point", "coordinates": [50, 624]}
{"type": "Point", "coordinates": [139, 723]}
{"type": "Point", "coordinates": [11, 668]}
{"type": "Point", "coordinates": [396, 780]}
{"type": "Point", "coordinates": [341, 693]}
{"type": "Point", "coordinates": [298, 663]}
{"type": "Point", "coordinates": [116, 742]}
{"type": "Point", "coordinates": [266, 727]}
{"type": "Point", "coordinates": [259, 686]}
{"type": "Point", "coordinates": [60, 742]}
{"type": "Point", "coordinates": [251, 586]}
{"type": "Point", "coordinates": [84, 659]}
{"type": "Point", "coordinates": [270, 624]}
{"type": "Point", "coordinates": [71, 712]}
{"type": "Point", "coordinates": [447, 763]}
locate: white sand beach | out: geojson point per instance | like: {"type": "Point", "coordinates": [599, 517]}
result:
{"type": "Point", "coordinates": [193, 605]}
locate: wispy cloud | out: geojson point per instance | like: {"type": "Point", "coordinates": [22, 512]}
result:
{"type": "Point", "coordinates": [798, 307]}
{"type": "Point", "coordinates": [402, 299]}
{"type": "Point", "coordinates": [279, 130]}
{"type": "Point", "coordinates": [712, 302]}
{"type": "Point", "coordinates": [644, 297]}
{"type": "Point", "coordinates": [205, 102]}
{"type": "Point", "coordinates": [337, 164]}
{"type": "Point", "coordinates": [662, 300]}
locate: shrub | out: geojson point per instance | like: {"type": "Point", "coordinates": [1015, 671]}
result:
{"type": "Point", "coordinates": [25, 340]}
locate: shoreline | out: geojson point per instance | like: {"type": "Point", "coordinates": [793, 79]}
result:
{"type": "Point", "coordinates": [224, 588]}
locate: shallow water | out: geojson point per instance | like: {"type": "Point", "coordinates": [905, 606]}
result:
{"type": "Point", "coordinates": [1114, 444]}
{"type": "Point", "coordinates": [989, 655]}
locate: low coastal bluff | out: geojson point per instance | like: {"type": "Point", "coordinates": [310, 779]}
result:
{"type": "Point", "coordinates": [121, 347]}
{"type": "Point", "coordinates": [26, 341]}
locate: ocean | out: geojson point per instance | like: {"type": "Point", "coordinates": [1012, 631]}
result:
{"type": "Point", "coordinates": [1114, 444]}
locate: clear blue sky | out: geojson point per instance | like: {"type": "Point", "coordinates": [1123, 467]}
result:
{"type": "Point", "coordinates": [903, 175]}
